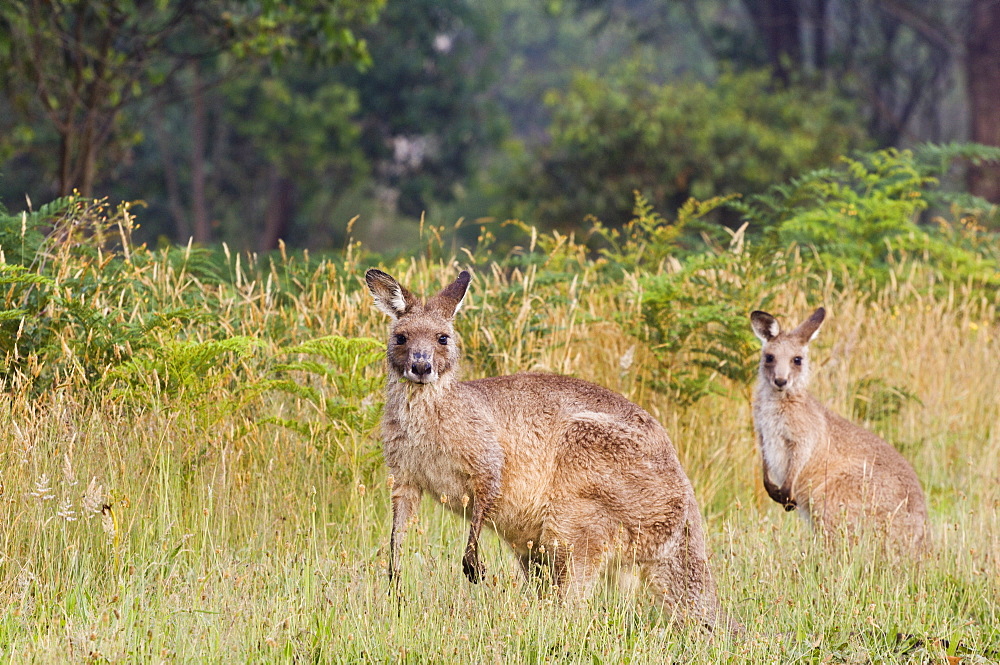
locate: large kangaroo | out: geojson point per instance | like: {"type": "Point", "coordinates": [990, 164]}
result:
{"type": "Point", "coordinates": [573, 476]}
{"type": "Point", "coordinates": [841, 477]}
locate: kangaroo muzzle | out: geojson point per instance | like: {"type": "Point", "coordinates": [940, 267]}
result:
{"type": "Point", "coordinates": [421, 367]}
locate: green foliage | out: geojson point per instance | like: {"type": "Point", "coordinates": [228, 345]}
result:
{"type": "Point", "coordinates": [423, 106]}
{"type": "Point", "coordinates": [938, 160]}
{"type": "Point", "coordinates": [855, 222]}
{"type": "Point", "coordinates": [864, 215]}
{"type": "Point", "coordinates": [695, 318]}
{"type": "Point", "coordinates": [88, 85]}
{"type": "Point", "coordinates": [648, 240]}
{"type": "Point", "coordinates": [320, 30]}
{"type": "Point", "coordinates": [336, 382]}
{"type": "Point", "coordinates": [20, 238]}
{"type": "Point", "coordinates": [290, 133]}
{"type": "Point", "coordinates": [613, 135]}
{"type": "Point", "coordinates": [185, 370]}
{"type": "Point", "coordinates": [59, 319]}
{"type": "Point", "coordinates": [875, 400]}
{"type": "Point", "coordinates": [95, 342]}
{"type": "Point", "coordinates": [695, 302]}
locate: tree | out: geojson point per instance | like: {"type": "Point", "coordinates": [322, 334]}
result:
{"type": "Point", "coordinates": [778, 23]}
{"type": "Point", "coordinates": [423, 109]}
{"type": "Point", "coordinates": [982, 77]}
{"type": "Point", "coordinates": [896, 57]}
{"type": "Point", "coordinates": [614, 135]}
{"type": "Point", "coordinates": [81, 64]}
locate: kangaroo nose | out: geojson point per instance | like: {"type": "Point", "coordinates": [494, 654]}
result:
{"type": "Point", "coordinates": [780, 382]}
{"type": "Point", "coordinates": [421, 368]}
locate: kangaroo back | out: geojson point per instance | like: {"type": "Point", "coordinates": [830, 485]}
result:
{"type": "Point", "coordinates": [840, 476]}
{"type": "Point", "coordinates": [572, 476]}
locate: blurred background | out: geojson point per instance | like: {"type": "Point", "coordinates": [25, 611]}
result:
{"type": "Point", "coordinates": [251, 123]}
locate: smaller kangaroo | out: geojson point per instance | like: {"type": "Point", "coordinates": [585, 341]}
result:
{"type": "Point", "coordinates": [572, 476]}
{"type": "Point", "coordinates": [840, 476]}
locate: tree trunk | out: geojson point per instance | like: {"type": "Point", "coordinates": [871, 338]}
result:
{"type": "Point", "coordinates": [199, 207]}
{"type": "Point", "coordinates": [278, 216]}
{"type": "Point", "coordinates": [982, 74]}
{"type": "Point", "coordinates": [778, 24]}
{"type": "Point", "coordinates": [819, 10]}
{"type": "Point", "coordinates": [87, 157]}
{"type": "Point", "coordinates": [65, 184]}
{"type": "Point", "coordinates": [182, 229]}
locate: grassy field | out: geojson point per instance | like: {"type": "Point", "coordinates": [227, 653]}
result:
{"type": "Point", "coordinates": [141, 522]}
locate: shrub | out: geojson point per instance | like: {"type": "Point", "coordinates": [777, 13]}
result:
{"type": "Point", "coordinates": [73, 302]}
{"type": "Point", "coordinates": [863, 215]}
{"type": "Point", "coordinates": [612, 136]}
{"type": "Point", "coordinates": [335, 383]}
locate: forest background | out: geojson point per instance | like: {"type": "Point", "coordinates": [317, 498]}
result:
{"type": "Point", "coordinates": [249, 123]}
{"type": "Point", "coordinates": [192, 375]}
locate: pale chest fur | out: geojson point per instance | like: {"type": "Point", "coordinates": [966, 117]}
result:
{"type": "Point", "coordinates": [787, 432]}
{"type": "Point", "coordinates": [420, 445]}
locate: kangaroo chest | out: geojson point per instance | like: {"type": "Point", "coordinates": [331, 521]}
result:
{"type": "Point", "coordinates": [783, 445]}
{"type": "Point", "coordinates": [422, 448]}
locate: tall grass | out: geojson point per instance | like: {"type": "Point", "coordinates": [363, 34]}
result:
{"type": "Point", "coordinates": [144, 522]}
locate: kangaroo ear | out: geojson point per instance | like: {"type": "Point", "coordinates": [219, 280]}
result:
{"type": "Point", "coordinates": [448, 301]}
{"type": "Point", "coordinates": [807, 329]}
{"type": "Point", "coordinates": [765, 326]}
{"type": "Point", "coordinates": [389, 296]}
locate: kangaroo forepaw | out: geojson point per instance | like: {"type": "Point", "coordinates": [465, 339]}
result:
{"type": "Point", "coordinates": [472, 568]}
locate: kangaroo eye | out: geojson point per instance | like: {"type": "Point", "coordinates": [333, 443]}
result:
{"type": "Point", "coordinates": [400, 339]}
{"type": "Point", "coordinates": [443, 340]}
{"type": "Point", "coordinates": [797, 360]}
{"type": "Point", "coordinates": [768, 358]}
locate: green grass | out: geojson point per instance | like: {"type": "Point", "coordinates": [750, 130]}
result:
{"type": "Point", "coordinates": [221, 551]}
{"type": "Point", "coordinates": [145, 523]}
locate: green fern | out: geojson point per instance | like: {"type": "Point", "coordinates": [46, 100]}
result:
{"type": "Point", "coordinates": [863, 217]}
{"type": "Point", "coordinates": [648, 239]}
{"type": "Point", "coordinates": [695, 320]}
{"type": "Point", "coordinates": [336, 379]}
{"type": "Point", "coordinates": [937, 158]}
{"type": "Point", "coordinates": [875, 400]}
{"type": "Point", "coordinates": [184, 369]}
{"type": "Point", "coordinates": [20, 234]}
{"type": "Point", "coordinates": [346, 362]}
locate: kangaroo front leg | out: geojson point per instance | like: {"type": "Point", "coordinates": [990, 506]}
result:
{"type": "Point", "coordinates": [486, 496]}
{"type": "Point", "coordinates": [782, 495]}
{"type": "Point", "coordinates": [405, 499]}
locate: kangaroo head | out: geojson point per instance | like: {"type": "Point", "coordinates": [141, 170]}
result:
{"type": "Point", "coordinates": [421, 345]}
{"type": "Point", "coordinates": [784, 357]}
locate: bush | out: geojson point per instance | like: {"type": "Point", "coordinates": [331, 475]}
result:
{"type": "Point", "coordinates": [852, 224]}
{"type": "Point", "coordinates": [74, 305]}
{"type": "Point", "coordinates": [612, 136]}
{"type": "Point", "coordinates": [864, 215]}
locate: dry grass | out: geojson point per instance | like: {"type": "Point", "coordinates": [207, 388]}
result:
{"type": "Point", "coordinates": [176, 532]}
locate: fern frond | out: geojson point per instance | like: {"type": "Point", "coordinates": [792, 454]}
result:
{"type": "Point", "coordinates": [296, 389]}
{"type": "Point", "coordinates": [11, 274]}
{"type": "Point", "coordinates": [308, 430]}
{"type": "Point", "coordinates": [343, 352]}
{"type": "Point", "coordinates": [939, 156]}
{"type": "Point", "coordinates": [12, 314]}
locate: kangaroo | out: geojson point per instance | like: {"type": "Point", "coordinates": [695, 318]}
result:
{"type": "Point", "coordinates": [572, 476]}
{"type": "Point", "coordinates": [839, 476]}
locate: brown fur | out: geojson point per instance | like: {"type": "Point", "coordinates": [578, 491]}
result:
{"type": "Point", "coordinates": [572, 476]}
{"type": "Point", "coordinates": [841, 477]}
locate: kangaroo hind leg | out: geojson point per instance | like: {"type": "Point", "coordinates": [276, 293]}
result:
{"type": "Point", "coordinates": [679, 574]}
